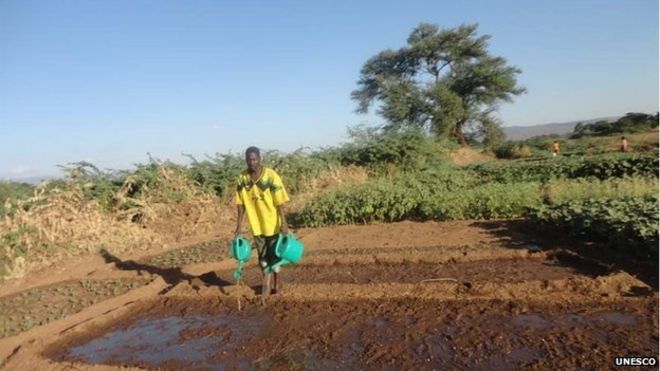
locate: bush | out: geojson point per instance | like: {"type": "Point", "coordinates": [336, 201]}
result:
{"type": "Point", "coordinates": [599, 167]}
{"type": "Point", "coordinates": [512, 150]}
{"type": "Point", "coordinates": [420, 197]}
{"type": "Point", "coordinates": [561, 190]}
{"type": "Point", "coordinates": [12, 192]}
{"type": "Point", "coordinates": [218, 174]}
{"type": "Point", "coordinates": [630, 123]}
{"type": "Point", "coordinates": [377, 150]}
{"type": "Point", "coordinates": [628, 224]}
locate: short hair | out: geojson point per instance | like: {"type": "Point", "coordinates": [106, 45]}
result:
{"type": "Point", "coordinates": [254, 150]}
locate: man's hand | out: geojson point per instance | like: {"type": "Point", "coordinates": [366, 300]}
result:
{"type": "Point", "coordinates": [284, 229]}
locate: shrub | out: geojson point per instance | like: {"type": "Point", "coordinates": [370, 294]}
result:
{"type": "Point", "coordinates": [628, 224]}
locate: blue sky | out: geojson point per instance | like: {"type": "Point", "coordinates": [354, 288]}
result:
{"type": "Point", "coordinates": [109, 81]}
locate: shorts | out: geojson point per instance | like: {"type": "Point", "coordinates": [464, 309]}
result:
{"type": "Point", "coordinates": [265, 246]}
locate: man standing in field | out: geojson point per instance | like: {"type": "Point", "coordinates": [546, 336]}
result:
{"type": "Point", "coordinates": [555, 148]}
{"type": "Point", "coordinates": [260, 195]}
{"type": "Point", "coordinates": [624, 144]}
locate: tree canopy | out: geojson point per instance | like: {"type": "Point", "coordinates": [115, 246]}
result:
{"type": "Point", "coordinates": [443, 81]}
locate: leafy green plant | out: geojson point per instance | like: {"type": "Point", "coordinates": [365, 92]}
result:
{"type": "Point", "coordinates": [628, 224]}
{"type": "Point", "coordinates": [13, 191]}
{"type": "Point", "coordinates": [560, 190]}
{"type": "Point", "coordinates": [456, 195]}
{"type": "Point", "coordinates": [599, 167]}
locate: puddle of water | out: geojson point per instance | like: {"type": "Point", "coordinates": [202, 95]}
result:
{"type": "Point", "coordinates": [532, 320]}
{"type": "Point", "coordinates": [539, 322]}
{"type": "Point", "coordinates": [155, 341]}
{"type": "Point", "coordinates": [439, 348]}
{"type": "Point", "coordinates": [378, 322]}
{"type": "Point", "coordinates": [616, 318]}
{"type": "Point", "coordinates": [518, 357]}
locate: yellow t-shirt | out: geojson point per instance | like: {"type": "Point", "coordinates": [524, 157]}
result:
{"type": "Point", "coordinates": [260, 199]}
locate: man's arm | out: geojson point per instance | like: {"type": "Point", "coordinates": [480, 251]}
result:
{"type": "Point", "coordinates": [239, 220]}
{"type": "Point", "coordinates": [284, 228]}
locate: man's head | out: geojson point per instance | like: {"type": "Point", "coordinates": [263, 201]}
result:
{"type": "Point", "coordinates": [253, 158]}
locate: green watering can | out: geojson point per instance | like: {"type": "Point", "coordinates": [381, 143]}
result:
{"type": "Point", "coordinates": [241, 251]}
{"type": "Point", "coordinates": [288, 249]}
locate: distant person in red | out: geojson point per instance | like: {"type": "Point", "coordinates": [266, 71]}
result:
{"type": "Point", "coordinates": [555, 148]}
{"type": "Point", "coordinates": [624, 144]}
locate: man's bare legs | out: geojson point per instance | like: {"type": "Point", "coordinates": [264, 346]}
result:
{"type": "Point", "coordinates": [277, 286]}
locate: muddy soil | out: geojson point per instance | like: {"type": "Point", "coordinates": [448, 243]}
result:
{"type": "Point", "coordinates": [495, 271]}
{"type": "Point", "coordinates": [385, 334]}
{"type": "Point", "coordinates": [455, 295]}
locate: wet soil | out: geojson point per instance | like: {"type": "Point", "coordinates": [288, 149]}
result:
{"type": "Point", "coordinates": [383, 334]}
{"type": "Point", "coordinates": [364, 297]}
{"type": "Point", "coordinates": [495, 271]}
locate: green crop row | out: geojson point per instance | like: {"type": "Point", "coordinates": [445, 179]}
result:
{"type": "Point", "coordinates": [628, 224]}
{"type": "Point", "coordinates": [599, 167]}
{"type": "Point", "coordinates": [419, 198]}
{"type": "Point", "coordinates": [557, 191]}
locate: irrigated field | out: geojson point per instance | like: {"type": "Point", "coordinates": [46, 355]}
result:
{"type": "Point", "coordinates": [452, 295]}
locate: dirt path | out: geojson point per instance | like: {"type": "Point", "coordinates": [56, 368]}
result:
{"type": "Point", "coordinates": [364, 297]}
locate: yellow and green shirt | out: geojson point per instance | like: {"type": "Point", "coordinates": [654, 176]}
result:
{"type": "Point", "coordinates": [260, 200]}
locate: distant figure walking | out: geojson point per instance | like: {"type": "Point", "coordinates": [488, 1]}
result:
{"type": "Point", "coordinates": [555, 148]}
{"type": "Point", "coordinates": [624, 144]}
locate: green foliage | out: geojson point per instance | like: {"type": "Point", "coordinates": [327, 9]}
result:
{"type": "Point", "coordinates": [483, 202]}
{"type": "Point", "coordinates": [11, 246]}
{"type": "Point", "coordinates": [512, 150]}
{"type": "Point", "coordinates": [615, 166]}
{"type": "Point", "coordinates": [299, 168]}
{"type": "Point", "coordinates": [628, 224]}
{"type": "Point", "coordinates": [630, 123]}
{"type": "Point", "coordinates": [375, 149]}
{"type": "Point", "coordinates": [218, 174]}
{"type": "Point", "coordinates": [454, 195]}
{"type": "Point", "coordinates": [12, 240]}
{"type": "Point", "coordinates": [600, 167]}
{"type": "Point", "coordinates": [13, 191]}
{"type": "Point", "coordinates": [443, 80]}
{"type": "Point", "coordinates": [561, 190]}
{"type": "Point", "coordinates": [97, 184]}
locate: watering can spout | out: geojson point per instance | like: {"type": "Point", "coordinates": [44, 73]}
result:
{"type": "Point", "coordinates": [240, 250]}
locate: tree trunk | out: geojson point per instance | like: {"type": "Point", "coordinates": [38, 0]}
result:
{"type": "Point", "coordinates": [458, 133]}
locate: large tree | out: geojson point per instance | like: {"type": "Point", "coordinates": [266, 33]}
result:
{"type": "Point", "coordinates": [442, 81]}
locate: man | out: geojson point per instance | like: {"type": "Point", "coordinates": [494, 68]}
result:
{"type": "Point", "coordinates": [555, 148]}
{"type": "Point", "coordinates": [624, 144]}
{"type": "Point", "coordinates": [260, 195]}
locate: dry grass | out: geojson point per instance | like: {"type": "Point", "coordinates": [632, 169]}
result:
{"type": "Point", "coordinates": [62, 223]}
{"type": "Point", "coordinates": [466, 156]}
{"type": "Point", "coordinates": [327, 181]}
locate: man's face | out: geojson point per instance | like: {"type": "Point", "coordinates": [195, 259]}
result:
{"type": "Point", "coordinates": [253, 161]}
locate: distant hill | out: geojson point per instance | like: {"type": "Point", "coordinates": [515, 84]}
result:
{"type": "Point", "coordinates": [524, 132]}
